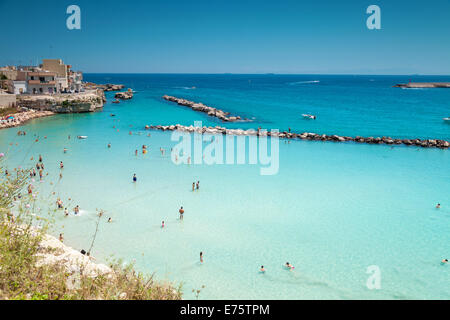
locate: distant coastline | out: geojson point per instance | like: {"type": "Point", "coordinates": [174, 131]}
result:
{"type": "Point", "coordinates": [417, 85]}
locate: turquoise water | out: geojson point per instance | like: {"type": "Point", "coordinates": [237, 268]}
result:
{"type": "Point", "coordinates": [332, 210]}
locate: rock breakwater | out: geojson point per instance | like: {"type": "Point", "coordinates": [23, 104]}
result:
{"type": "Point", "coordinates": [200, 107]}
{"type": "Point", "coordinates": [424, 143]}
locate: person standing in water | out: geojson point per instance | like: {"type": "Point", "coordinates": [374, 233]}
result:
{"type": "Point", "coordinates": [109, 145]}
{"type": "Point", "coordinates": [201, 256]}
{"type": "Point", "coordinates": [134, 178]}
{"type": "Point", "coordinates": [198, 185]}
{"type": "Point", "coordinates": [181, 211]}
{"type": "Point", "coordinates": [289, 266]}
{"type": "Point", "coordinates": [61, 237]}
{"type": "Point", "coordinates": [61, 165]}
{"type": "Point", "coordinates": [262, 270]}
{"type": "Point", "coordinates": [162, 224]}
{"type": "Point", "coordinates": [193, 186]}
{"type": "Point", "coordinates": [438, 206]}
{"type": "Point", "coordinates": [40, 158]}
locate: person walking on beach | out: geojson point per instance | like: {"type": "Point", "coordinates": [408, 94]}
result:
{"type": "Point", "coordinates": [134, 178]}
{"type": "Point", "coordinates": [181, 211]}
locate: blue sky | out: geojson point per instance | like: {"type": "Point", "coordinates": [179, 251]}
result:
{"type": "Point", "coordinates": [247, 36]}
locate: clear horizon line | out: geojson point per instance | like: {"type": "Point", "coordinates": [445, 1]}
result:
{"type": "Point", "coordinates": [274, 73]}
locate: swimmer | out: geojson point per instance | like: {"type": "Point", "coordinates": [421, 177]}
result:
{"type": "Point", "coordinates": [181, 211]}
{"type": "Point", "coordinates": [444, 261]}
{"type": "Point", "coordinates": [134, 178]}
{"type": "Point", "coordinates": [40, 158]}
{"type": "Point", "coordinates": [290, 266]}
{"type": "Point", "coordinates": [262, 270]}
{"type": "Point", "coordinates": [61, 165]}
{"type": "Point", "coordinates": [76, 210]}
{"type": "Point", "coordinates": [65, 150]}
{"type": "Point", "coordinates": [109, 145]}
{"type": "Point", "coordinates": [438, 206]}
{"type": "Point", "coordinates": [136, 152]}
{"type": "Point", "coordinates": [201, 256]}
{"type": "Point", "coordinates": [109, 219]}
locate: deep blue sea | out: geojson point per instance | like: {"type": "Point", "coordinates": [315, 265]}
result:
{"type": "Point", "coordinates": [332, 210]}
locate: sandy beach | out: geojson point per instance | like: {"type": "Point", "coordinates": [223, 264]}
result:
{"type": "Point", "coordinates": [22, 117]}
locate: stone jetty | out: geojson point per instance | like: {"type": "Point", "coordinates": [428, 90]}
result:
{"type": "Point", "coordinates": [428, 143]}
{"type": "Point", "coordinates": [200, 107]}
{"type": "Point", "coordinates": [22, 117]}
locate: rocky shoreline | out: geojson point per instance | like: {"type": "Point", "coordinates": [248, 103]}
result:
{"type": "Point", "coordinates": [21, 117]}
{"type": "Point", "coordinates": [105, 87]}
{"type": "Point", "coordinates": [200, 107]}
{"type": "Point", "coordinates": [426, 143]}
{"type": "Point", "coordinates": [52, 251]}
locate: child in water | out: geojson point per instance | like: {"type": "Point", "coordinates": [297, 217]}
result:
{"type": "Point", "coordinates": [134, 178]}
